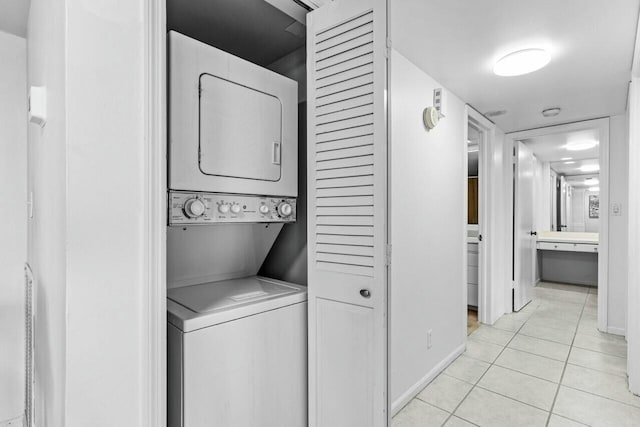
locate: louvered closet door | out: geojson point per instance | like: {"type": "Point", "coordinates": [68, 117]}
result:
{"type": "Point", "coordinates": [347, 193]}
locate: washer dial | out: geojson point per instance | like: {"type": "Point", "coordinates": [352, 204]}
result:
{"type": "Point", "coordinates": [194, 207]}
{"type": "Point", "coordinates": [285, 209]}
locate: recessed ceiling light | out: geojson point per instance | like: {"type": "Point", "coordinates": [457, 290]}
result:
{"type": "Point", "coordinates": [580, 145]}
{"type": "Point", "coordinates": [569, 163]}
{"type": "Point", "coordinates": [566, 158]}
{"type": "Point", "coordinates": [551, 112]}
{"type": "Point", "coordinates": [590, 168]}
{"type": "Point", "coordinates": [521, 62]}
{"type": "Point", "coordinates": [594, 188]}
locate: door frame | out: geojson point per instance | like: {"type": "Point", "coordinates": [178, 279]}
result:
{"type": "Point", "coordinates": [154, 377]}
{"type": "Point", "coordinates": [490, 285]}
{"type": "Point", "coordinates": [602, 124]}
{"type": "Point", "coordinates": [633, 283]}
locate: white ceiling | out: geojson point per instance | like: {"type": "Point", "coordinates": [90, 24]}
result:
{"type": "Point", "coordinates": [458, 41]}
{"type": "Point", "coordinates": [13, 16]}
{"type": "Point", "coordinates": [573, 169]}
{"type": "Point", "coordinates": [592, 180]}
{"type": "Point", "coordinates": [552, 148]}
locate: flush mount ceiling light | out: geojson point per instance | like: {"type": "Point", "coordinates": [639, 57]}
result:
{"type": "Point", "coordinates": [590, 168]}
{"type": "Point", "coordinates": [521, 62]}
{"type": "Point", "coordinates": [569, 163]}
{"type": "Point", "coordinates": [594, 188]}
{"type": "Point", "coordinates": [551, 112]}
{"type": "Point", "coordinates": [566, 158]}
{"type": "Point", "coordinates": [580, 145]}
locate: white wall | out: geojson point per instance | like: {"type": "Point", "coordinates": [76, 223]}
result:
{"type": "Point", "coordinates": [13, 221]}
{"type": "Point", "coordinates": [618, 225]}
{"type": "Point", "coordinates": [428, 178]}
{"type": "Point", "coordinates": [577, 220]}
{"type": "Point", "coordinates": [87, 171]}
{"type": "Point", "coordinates": [47, 229]}
{"type": "Point", "coordinates": [542, 191]}
{"type": "Point", "coordinates": [106, 221]}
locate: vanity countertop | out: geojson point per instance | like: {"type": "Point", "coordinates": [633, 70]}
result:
{"type": "Point", "coordinates": [568, 237]}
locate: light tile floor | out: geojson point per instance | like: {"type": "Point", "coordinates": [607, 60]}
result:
{"type": "Point", "coordinates": [546, 365]}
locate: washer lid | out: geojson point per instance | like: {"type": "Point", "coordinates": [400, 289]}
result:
{"type": "Point", "coordinates": [198, 306]}
{"type": "Point", "coordinates": [227, 294]}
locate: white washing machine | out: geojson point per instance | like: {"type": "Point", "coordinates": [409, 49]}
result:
{"type": "Point", "coordinates": [237, 342]}
{"type": "Point", "coordinates": [237, 354]}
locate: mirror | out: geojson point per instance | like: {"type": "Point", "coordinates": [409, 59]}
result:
{"type": "Point", "coordinates": [572, 193]}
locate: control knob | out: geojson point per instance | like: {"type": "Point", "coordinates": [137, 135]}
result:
{"type": "Point", "coordinates": [223, 208]}
{"type": "Point", "coordinates": [236, 209]}
{"type": "Point", "coordinates": [194, 207]}
{"type": "Point", "coordinates": [264, 209]}
{"type": "Point", "coordinates": [285, 209]}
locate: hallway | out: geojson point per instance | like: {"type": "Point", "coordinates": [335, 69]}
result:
{"type": "Point", "coordinates": [546, 365]}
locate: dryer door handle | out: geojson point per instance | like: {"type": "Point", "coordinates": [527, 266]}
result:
{"type": "Point", "coordinates": [276, 153]}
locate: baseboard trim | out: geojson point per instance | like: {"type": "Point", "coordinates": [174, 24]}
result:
{"type": "Point", "coordinates": [616, 331]}
{"type": "Point", "coordinates": [413, 391]}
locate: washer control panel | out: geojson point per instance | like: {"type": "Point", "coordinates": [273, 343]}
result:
{"type": "Point", "coordinates": [213, 208]}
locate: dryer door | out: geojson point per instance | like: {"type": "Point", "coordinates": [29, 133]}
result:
{"type": "Point", "coordinates": [240, 131]}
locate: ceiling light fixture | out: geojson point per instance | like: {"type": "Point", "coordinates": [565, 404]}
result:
{"type": "Point", "coordinates": [566, 158]}
{"type": "Point", "coordinates": [569, 163]}
{"type": "Point", "coordinates": [580, 145]}
{"type": "Point", "coordinates": [551, 112]}
{"type": "Point", "coordinates": [590, 168]}
{"type": "Point", "coordinates": [594, 188]}
{"type": "Point", "coordinates": [521, 62]}
{"type": "Point", "coordinates": [591, 181]}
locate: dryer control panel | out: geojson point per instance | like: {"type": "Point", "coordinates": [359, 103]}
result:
{"type": "Point", "coordinates": [213, 208]}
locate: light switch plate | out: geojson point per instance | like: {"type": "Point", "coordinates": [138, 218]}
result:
{"type": "Point", "coordinates": [616, 209]}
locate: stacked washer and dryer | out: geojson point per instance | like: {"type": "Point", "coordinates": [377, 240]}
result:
{"type": "Point", "coordinates": [237, 343]}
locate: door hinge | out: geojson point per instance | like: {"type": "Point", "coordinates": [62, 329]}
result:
{"type": "Point", "coordinates": [30, 205]}
{"type": "Point", "coordinates": [387, 50]}
{"type": "Point", "coordinates": [387, 254]}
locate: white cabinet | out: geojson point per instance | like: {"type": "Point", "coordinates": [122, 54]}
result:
{"type": "Point", "coordinates": [472, 274]}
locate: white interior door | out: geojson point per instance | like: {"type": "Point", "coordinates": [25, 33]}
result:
{"type": "Point", "coordinates": [525, 241]}
{"type": "Point", "coordinates": [347, 208]}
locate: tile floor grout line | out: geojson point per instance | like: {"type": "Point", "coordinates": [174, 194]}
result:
{"type": "Point", "coordinates": [564, 368]}
{"type": "Point", "coordinates": [578, 329]}
{"type": "Point", "coordinates": [599, 352]}
{"type": "Point", "coordinates": [624, 375]}
{"type": "Point", "coordinates": [481, 376]}
{"type": "Point", "coordinates": [601, 396]}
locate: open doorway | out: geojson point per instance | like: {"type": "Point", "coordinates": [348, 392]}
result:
{"type": "Point", "coordinates": [481, 289]}
{"type": "Point", "coordinates": [474, 141]}
{"type": "Point", "coordinates": [560, 232]}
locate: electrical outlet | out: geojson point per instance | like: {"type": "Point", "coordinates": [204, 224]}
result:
{"type": "Point", "coordinates": [429, 343]}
